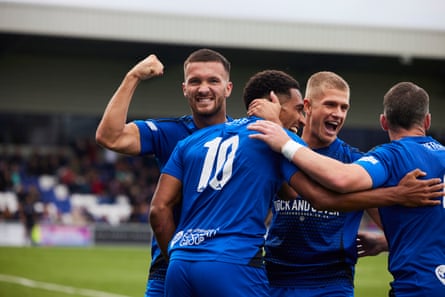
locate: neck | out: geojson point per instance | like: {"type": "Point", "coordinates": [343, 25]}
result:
{"type": "Point", "coordinates": [401, 133]}
{"type": "Point", "coordinates": [205, 121]}
{"type": "Point", "coordinates": [312, 141]}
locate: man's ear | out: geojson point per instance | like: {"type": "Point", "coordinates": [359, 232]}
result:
{"type": "Point", "coordinates": [183, 88]}
{"type": "Point", "coordinates": [384, 122]}
{"type": "Point", "coordinates": [229, 88]}
{"type": "Point", "coordinates": [427, 122]}
{"type": "Point", "coordinates": [307, 105]}
{"type": "Point", "coordinates": [273, 97]}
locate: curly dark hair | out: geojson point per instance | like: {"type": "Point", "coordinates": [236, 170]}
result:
{"type": "Point", "coordinates": [262, 83]}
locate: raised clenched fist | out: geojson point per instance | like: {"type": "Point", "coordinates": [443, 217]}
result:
{"type": "Point", "coordinates": [148, 68]}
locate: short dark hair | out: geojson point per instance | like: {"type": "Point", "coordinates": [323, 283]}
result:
{"type": "Point", "coordinates": [262, 83]}
{"type": "Point", "coordinates": [208, 55]}
{"type": "Point", "coordinates": [405, 105]}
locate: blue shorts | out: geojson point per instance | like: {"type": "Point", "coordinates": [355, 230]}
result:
{"type": "Point", "coordinates": [155, 288]}
{"type": "Point", "coordinates": [216, 279]}
{"type": "Point", "coordinates": [322, 291]}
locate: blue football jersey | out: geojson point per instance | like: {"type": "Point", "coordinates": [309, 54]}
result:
{"type": "Point", "coordinates": [159, 137]}
{"type": "Point", "coordinates": [416, 236]}
{"type": "Point", "coordinates": [306, 247]}
{"type": "Point", "coordinates": [228, 182]}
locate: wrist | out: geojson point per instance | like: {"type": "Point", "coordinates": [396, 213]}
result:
{"type": "Point", "coordinates": [290, 148]}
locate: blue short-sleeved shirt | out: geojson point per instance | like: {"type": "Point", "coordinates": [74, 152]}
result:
{"type": "Point", "coordinates": [306, 247]}
{"type": "Point", "coordinates": [229, 180]}
{"type": "Point", "coordinates": [416, 236]}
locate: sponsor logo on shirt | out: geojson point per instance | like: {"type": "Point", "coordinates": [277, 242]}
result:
{"type": "Point", "coordinates": [193, 237]}
{"type": "Point", "coordinates": [440, 273]}
{"type": "Point", "coordinates": [301, 207]}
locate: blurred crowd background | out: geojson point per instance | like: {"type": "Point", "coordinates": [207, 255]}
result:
{"type": "Point", "coordinates": [75, 184]}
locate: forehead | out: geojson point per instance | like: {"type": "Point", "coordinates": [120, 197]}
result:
{"type": "Point", "coordinates": [205, 69]}
{"type": "Point", "coordinates": [334, 95]}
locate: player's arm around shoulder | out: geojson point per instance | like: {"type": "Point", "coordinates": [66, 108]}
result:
{"type": "Point", "coordinates": [322, 198]}
{"type": "Point", "coordinates": [329, 172]}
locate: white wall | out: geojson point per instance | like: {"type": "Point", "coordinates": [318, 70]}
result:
{"type": "Point", "coordinates": [403, 28]}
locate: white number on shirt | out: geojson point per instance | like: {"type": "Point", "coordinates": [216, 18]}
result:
{"type": "Point", "coordinates": [223, 154]}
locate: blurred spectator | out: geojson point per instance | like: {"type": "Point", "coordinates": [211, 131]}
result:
{"type": "Point", "coordinates": [83, 168]}
{"type": "Point", "coordinates": [28, 210]}
{"type": "Point", "coordinates": [5, 176]}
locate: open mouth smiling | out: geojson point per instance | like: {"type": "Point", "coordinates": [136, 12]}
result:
{"type": "Point", "coordinates": [205, 99]}
{"type": "Point", "coordinates": [332, 126]}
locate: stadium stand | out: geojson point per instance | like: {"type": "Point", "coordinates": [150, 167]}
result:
{"type": "Point", "coordinates": [77, 185]}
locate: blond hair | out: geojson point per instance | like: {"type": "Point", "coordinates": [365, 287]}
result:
{"type": "Point", "coordinates": [319, 82]}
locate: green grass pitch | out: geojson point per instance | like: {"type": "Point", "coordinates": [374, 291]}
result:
{"type": "Point", "coordinates": [117, 272]}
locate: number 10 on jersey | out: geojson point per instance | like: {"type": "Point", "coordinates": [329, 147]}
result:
{"type": "Point", "coordinates": [219, 162]}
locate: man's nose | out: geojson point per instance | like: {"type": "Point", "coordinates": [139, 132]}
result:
{"type": "Point", "coordinates": [204, 88]}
